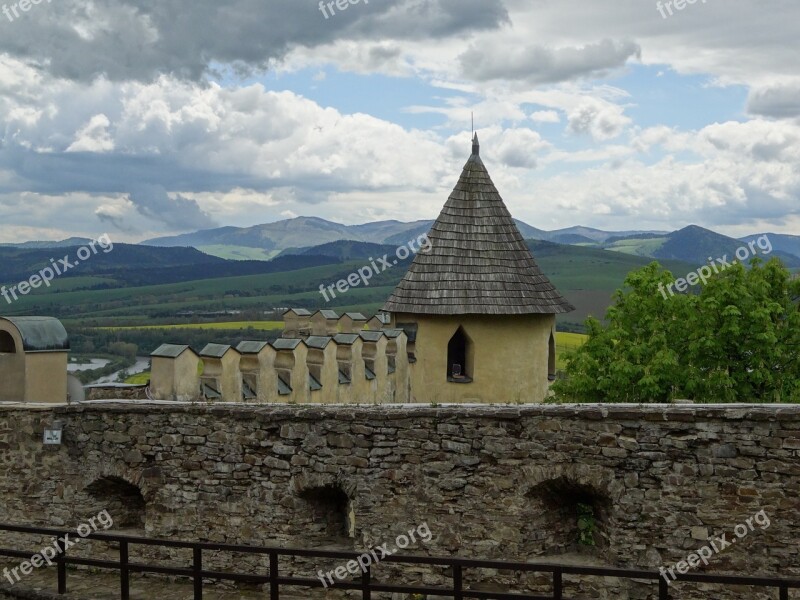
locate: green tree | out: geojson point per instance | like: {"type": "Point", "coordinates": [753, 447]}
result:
{"type": "Point", "coordinates": [123, 349]}
{"type": "Point", "coordinates": [736, 340]}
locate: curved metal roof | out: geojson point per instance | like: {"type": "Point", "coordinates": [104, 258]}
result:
{"type": "Point", "coordinates": [40, 334]}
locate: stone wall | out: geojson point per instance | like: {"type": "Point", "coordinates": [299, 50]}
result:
{"type": "Point", "coordinates": [500, 482]}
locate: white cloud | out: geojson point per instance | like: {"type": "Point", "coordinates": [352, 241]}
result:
{"type": "Point", "coordinates": [602, 120]}
{"type": "Point", "coordinates": [83, 124]}
{"type": "Point", "coordinates": [93, 137]}
{"type": "Point", "coordinates": [510, 59]}
{"type": "Point", "coordinates": [781, 100]}
{"type": "Point", "coordinates": [726, 174]}
{"type": "Point", "coordinates": [545, 116]}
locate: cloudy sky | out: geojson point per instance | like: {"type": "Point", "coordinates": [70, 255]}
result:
{"type": "Point", "coordinates": [149, 117]}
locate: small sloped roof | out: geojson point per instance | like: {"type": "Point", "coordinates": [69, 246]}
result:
{"type": "Point", "coordinates": [251, 347]}
{"type": "Point", "coordinates": [371, 336]}
{"type": "Point", "coordinates": [328, 314]}
{"type": "Point", "coordinates": [40, 334]}
{"type": "Point", "coordinates": [382, 317]}
{"type": "Point", "coordinates": [479, 262]}
{"type": "Point", "coordinates": [216, 350]}
{"type": "Point", "coordinates": [392, 333]}
{"type": "Point", "coordinates": [346, 339]}
{"type": "Point", "coordinates": [318, 341]}
{"type": "Point", "coordinates": [286, 343]}
{"type": "Point", "coordinates": [170, 350]}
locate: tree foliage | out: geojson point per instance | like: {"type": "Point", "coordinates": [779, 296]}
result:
{"type": "Point", "coordinates": [736, 339]}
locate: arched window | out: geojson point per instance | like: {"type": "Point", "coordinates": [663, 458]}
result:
{"type": "Point", "coordinates": [459, 369]}
{"type": "Point", "coordinates": [551, 358]}
{"type": "Point", "coordinates": [7, 345]}
{"type": "Point", "coordinates": [574, 516]}
{"type": "Point", "coordinates": [329, 511]}
{"type": "Point", "coordinates": [123, 500]}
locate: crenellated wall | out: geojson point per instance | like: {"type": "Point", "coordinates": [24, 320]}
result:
{"type": "Point", "coordinates": [363, 367]}
{"type": "Point", "coordinates": [491, 481]}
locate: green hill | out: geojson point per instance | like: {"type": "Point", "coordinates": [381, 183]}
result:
{"type": "Point", "coordinates": [697, 245]}
{"type": "Point", "coordinates": [586, 276]}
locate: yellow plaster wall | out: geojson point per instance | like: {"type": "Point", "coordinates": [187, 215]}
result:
{"type": "Point", "coordinates": [12, 368]}
{"type": "Point", "coordinates": [46, 377]}
{"type": "Point", "coordinates": [508, 357]}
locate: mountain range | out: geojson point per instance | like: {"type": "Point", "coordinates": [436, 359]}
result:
{"type": "Point", "coordinates": [315, 236]}
{"type": "Point", "coordinates": [692, 244]}
{"type": "Point", "coordinates": [279, 236]}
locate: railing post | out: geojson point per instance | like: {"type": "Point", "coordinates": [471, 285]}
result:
{"type": "Point", "coordinates": [124, 573]}
{"type": "Point", "coordinates": [784, 591]}
{"type": "Point", "coordinates": [197, 567]}
{"type": "Point", "coordinates": [61, 566]}
{"type": "Point", "coordinates": [458, 583]}
{"type": "Point", "coordinates": [663, 589]}
{"type": "Point", "coordinates": [366, 591]}
{"type": "Point", "coordinates": [558, 584]}
{"type": "Point", "coordinates": [274, 592]}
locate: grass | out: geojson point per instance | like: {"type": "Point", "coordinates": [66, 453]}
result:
{"type": "Point", "coordinates": [566, 342]}
{"type": "Point", "coordinates": [570, 340]}
{"type": "Point", "coordinates": [637, 247]}
{"type": "Point", "coordinates": [139, 378]}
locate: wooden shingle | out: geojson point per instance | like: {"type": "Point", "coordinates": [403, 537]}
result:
{"type": "Point", "coordinates": [479, 262]}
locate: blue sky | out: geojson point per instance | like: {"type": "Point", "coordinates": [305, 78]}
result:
{"type": "Point", "coordinates": [143, 119]}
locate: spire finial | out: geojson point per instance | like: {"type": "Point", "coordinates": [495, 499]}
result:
{"type": "Point", "coordinates": [476, 146]}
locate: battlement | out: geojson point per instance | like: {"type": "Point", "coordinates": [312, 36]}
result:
{"type": "Point", "coordinates": [321, 359]}
{"type": "Point", "coordinates": [302, 323]}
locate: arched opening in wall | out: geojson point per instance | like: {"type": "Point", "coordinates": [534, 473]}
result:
{"type": "Point", "coordinates": [391, 356]}
{"type": "Point", "coordinates": [565, 517]}
{"type": "Point", "coordinates": [551, 358]}
{"type": "Point", "coordinates": [459, 369]}
{"type": "Point", "coordinates": [284, 367]}
{"type": "Point", "coordinates": [7, 344]}
{"type": "Point", "coordinates": [315, 362]}
{"type": "Point", "coordinates": [369, 353]}
{"type": "Point", "coordinates": [329, 514]}
{"type": "Point", "coordinates": [123, 501]}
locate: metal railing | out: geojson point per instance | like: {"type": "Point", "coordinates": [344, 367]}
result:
{"type": "Point", "coordinates": [457, 566]}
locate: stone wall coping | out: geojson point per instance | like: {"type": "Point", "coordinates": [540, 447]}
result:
{"type": "Point", "coordinates": [318, 412]}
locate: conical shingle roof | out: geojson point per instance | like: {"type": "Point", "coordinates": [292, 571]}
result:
{"type": "Point", "coordinates": [479, 262]}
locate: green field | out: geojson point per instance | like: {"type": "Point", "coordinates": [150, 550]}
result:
{"type": "Point", "coordinates": [139, 378]}
{"type": "Point", "coordinates": [570, 341]}
{"type": "Point", "coordinates": [637, 247]}
{"type": "Point", "coordinates": [239, 252]}
{"type": "Point", "coordinates": [566, 342]}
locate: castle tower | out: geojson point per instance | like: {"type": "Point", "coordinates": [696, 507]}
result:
{"type": "Point", "coordinates": [481, 311]}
